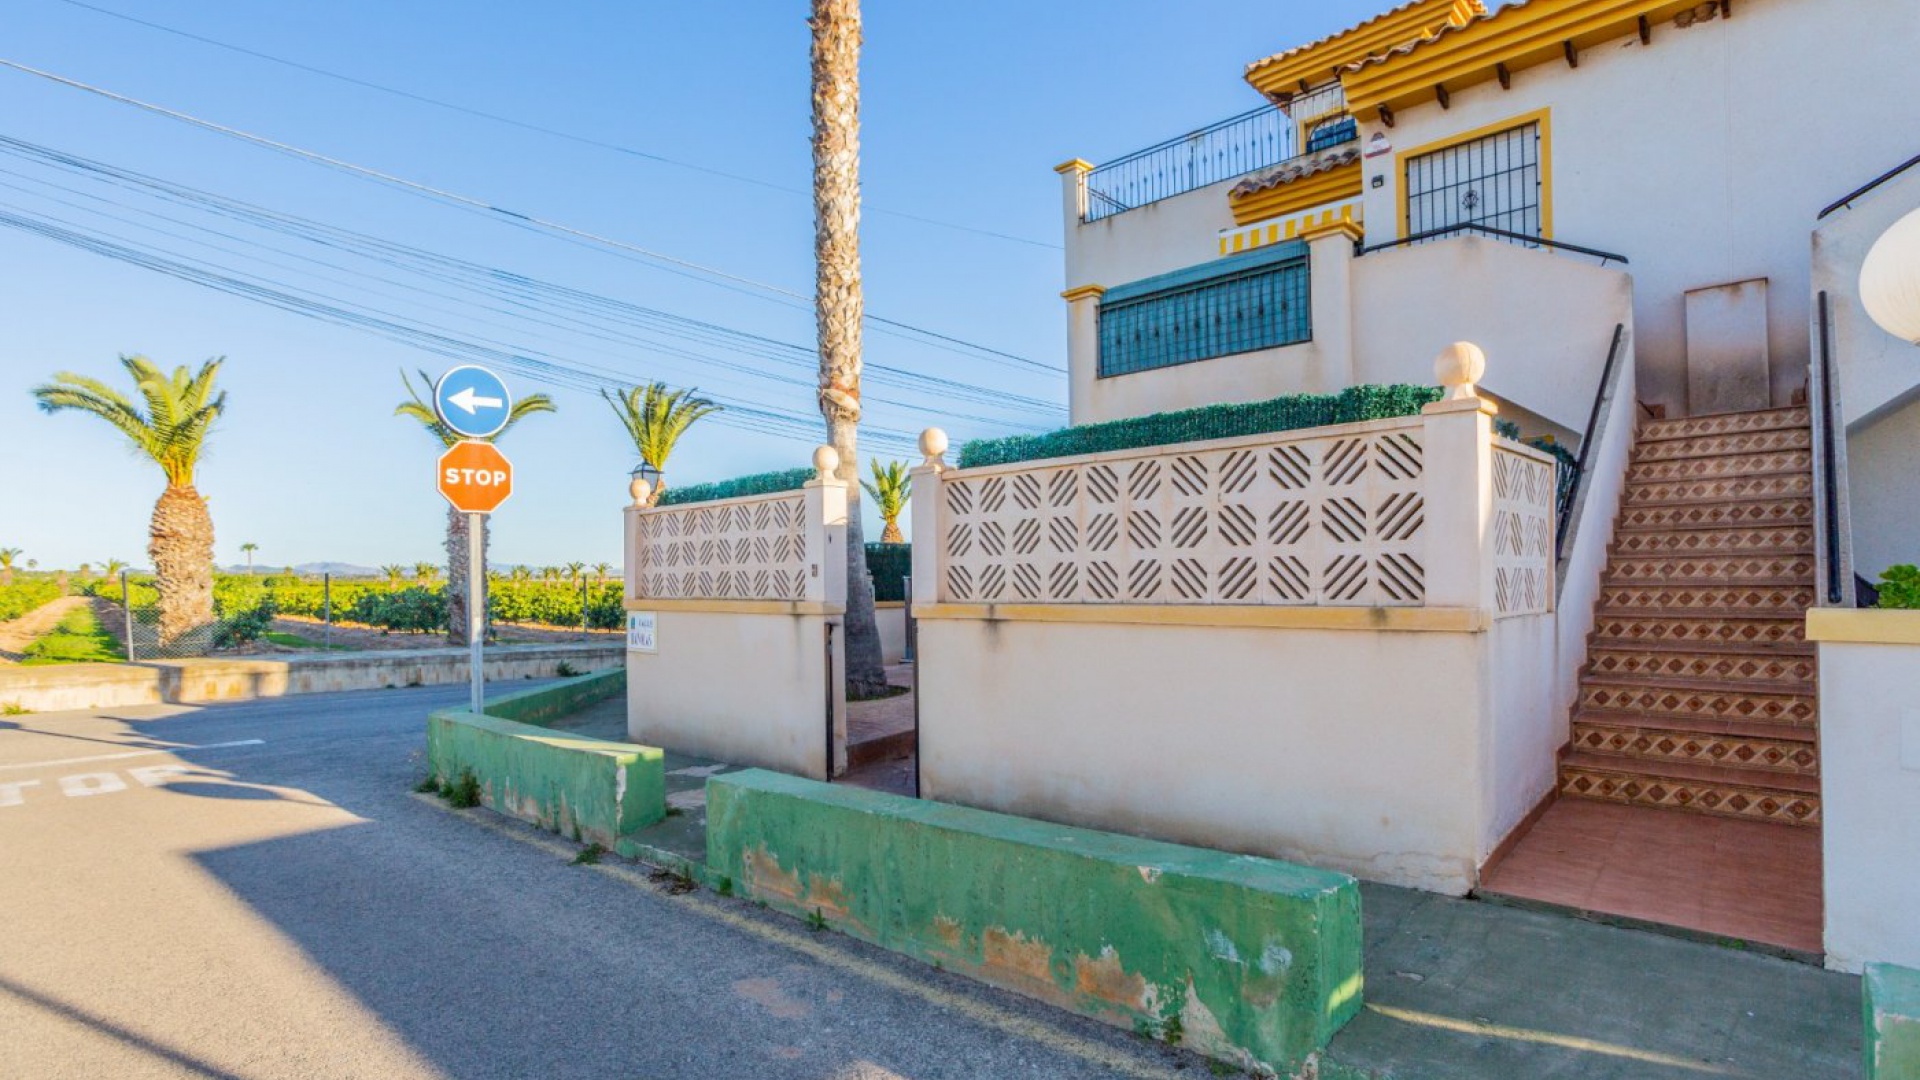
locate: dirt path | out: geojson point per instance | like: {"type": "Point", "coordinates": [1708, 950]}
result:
{"type": "Point", "coordinates": [16, 635]}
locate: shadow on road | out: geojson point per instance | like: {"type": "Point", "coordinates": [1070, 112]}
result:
{"type": "Point", "coordinates": [74, 1014]}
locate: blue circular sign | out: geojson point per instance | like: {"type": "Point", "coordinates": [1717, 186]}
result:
{"type": "Point", "coordinates": [472, 401]}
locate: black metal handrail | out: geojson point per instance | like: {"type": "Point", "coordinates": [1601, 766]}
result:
{"type": "Point", "coordinates": [1586, 441]}
{"type": "Point", "coordinates": [1870, 185]}
{"type": "Point", "coordinates": [1830, 490]}
{"type": "Point", "coordinates": [1232, 147]}
{"type": "Point", "coordinates": [1505, 234]}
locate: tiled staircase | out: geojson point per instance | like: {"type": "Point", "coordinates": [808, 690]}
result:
{"type": "Point", "coordinates": [1698, 692]}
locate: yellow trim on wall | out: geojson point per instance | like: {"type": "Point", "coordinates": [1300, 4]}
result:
{"type": "Point", "coordinates": [738, 607]}
{"type": "Point", "coordinates": [1074, 165]}
{"type": "Point", "coordinates": [1518, 37]}
{"type": "Point", "coordinates": [1542, 117]}
{"type": "Point", "coordinates": [1428, 619]}
{"type": "Point", "coordinates": [1339, 182]}
{"type": "Point", "coordinates": [1346, 216]}
{"type": "Point", "coordinates": [1871, 626]}
{"type": "Point", "coordinates": [1318, 62]}
{"type": "Point", "coordinates": [1083, 292]}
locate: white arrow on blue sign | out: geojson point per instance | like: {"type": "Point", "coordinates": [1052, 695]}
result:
{"type": "Point", "coordinates": [472, 401]}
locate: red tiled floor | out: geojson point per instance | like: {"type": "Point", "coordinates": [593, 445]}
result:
{"type": "Point", "coordinates": [1751, 880]}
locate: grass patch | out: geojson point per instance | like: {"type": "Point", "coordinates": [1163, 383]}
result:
{"type": "Point", "coordinates": [295, 641]}
{"type": "Point", "coordinates": [464, 793]}
{"type": "Point", "coordinates": [590, 855]}
{"type": "Point", "coordinates": [14, 708]}
{"type": "Point", "coordinates": [428, 785]}
{"type": "Point", "coordinates": [78, 638]}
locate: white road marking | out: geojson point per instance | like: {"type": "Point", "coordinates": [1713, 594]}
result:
{"type": "Point", "coordinates": [91, 783]}
{"type": "Point", "coordinates": [10, 792]}
{"type": "Point", "coordinates": [155, 775]}
{"type": "Point", "coordinates": [132, 754]}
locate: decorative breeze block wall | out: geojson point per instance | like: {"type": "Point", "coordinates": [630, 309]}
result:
{"type": "Point", "coordinates": [1278, 520]}
{"type": "Point", "coordinates": [1523, 556]}
{"type": "Point", "coordinates": [735, 549]}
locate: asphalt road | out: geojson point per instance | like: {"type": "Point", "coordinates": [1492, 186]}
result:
{"type": "Point", "coordinates": [253, 891]}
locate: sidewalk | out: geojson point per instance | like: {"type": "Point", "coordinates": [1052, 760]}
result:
{"type": "Point", "coordinates": [1464, 990]}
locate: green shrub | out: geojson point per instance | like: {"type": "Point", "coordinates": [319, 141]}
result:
{"type": "Point", "coordinates": [1900, 587]}
{"type": "Point", "coordinates": [1290, 413]}
{"type": "Point", "coordinates": [415, 609]}
{"type": "Point", "coordinates": [23, 596]}
{"type": "Point", "coordinates": [770, 483]}
{"type": "Point", "coordinates": [889, 564]}
{"type": "Point", "coordinates": [243, 627]}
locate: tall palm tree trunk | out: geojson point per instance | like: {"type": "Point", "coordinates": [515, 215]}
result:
{"type": "Point", "coordinates": [459, 570]}
{"type": "Point", "coordinates": [838, 304]}
{"type": "Point", "coordinates": [180, 541]}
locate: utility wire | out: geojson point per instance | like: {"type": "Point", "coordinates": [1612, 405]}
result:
{"type": "Point", "coordinates": [569, 136]}
{"type": "Point", "coordinates": [490, 210]}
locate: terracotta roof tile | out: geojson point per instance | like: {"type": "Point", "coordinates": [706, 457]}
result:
{"type": "Point", "coordinates": [1407, 47]}
{"type": "Point", "coordinates": [1298, 168]}
{"type": "Point", "coordinates": [1362, 25]}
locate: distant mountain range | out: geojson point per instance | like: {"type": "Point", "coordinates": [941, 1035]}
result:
{"type": "Point", "coordinates": [312, 569]}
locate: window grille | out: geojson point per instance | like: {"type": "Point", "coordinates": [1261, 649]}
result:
{"type": "Point", "coordinates": [1242, 309]}
{"type": "Point", "coordinates": [1332, 132]}
{"type": "Point", "coordinates": [1493, 181]}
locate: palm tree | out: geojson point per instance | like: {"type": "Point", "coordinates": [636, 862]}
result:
{"type": "Point", "coordinates": [839, 306]}
{"type": "Point", "coordinates": [85, 571]}
{"type": "Point", "coordinates": [521, 573]}
{"type": "Point", "coordinates": [172, 430]}
{"type": "Point", "coordinates": [7, 556]}
{"type": "Point", "coordinates": [112, 567]}
{"type": "Point", "coordinates": [423, 572]}
{"type": "Point", "coordinates": [457, 570]}
{"type": "Point", "coordinates": [550, 574]}
{"type": "Point", "coordinates": [575, 569]}
{"type": "Point", "coordinates": [394, 572]}
{"type": "Point", "coordinates": [655, 418]}
{"type": "Point", "coordinates": [890, 487]}
{"type": "Point", "coordinates": [249, 548]}
{"type": "Point", "coordinates": [600, 572]}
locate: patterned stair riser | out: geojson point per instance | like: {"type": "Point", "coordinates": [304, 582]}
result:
{"type": "Point", "coordinates": [1718, 515]}
{"type": "Point", "coordinates": [1739, 443]}
{"type": "Point", "coordinates": [1796, 709]}
{"type": "Point", "coordinates": [1626, 630]}
{"type": "Point", "coordinates": [1695, 748]}
{"type": "Point", "coordinates": [1724, 424]}
{"type": "Point", "coordinates": [1785, 600]}
{"type": "Point", "coordinates": [1797, 485]}
{"type": "Point", "coordinates": [1791, 673]}
{"type": "Point", "coordinates": [1752, 802]}
{"type": "Point", "coordinates": [1792, 539]}
{"type": "Point", "coordinates": [1727, 569]}
{"type": "Point", "coordinates": [1778, 461]}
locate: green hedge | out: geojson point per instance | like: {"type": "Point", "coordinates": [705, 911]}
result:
{"type": "Point", "coordinates": [1900, 587]}
{"type": "Point", "coordinates": [1354, 404]}
{"type": "Point", "coordinates": [889, 564]}
{"type": "Point", "coordinates": [769, 483]}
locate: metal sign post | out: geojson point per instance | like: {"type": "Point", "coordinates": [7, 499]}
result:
{"type": "Point", "coordinates": [475, 478]}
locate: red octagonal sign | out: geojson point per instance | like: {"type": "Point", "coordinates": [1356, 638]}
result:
{"type": "Point", "coordinates": [475, 476]}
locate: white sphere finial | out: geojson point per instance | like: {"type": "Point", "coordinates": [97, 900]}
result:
{"type": "Point", "coordinates": [641, 491]}
{"type": "Point", "coordinates": [1458, 367]}
{"type": "Point", "coordinates": [933, 443]}
{"type": "Point", "coordinates": [1890, 279]}
{"type": "Point", "coordinates": [826, 462]}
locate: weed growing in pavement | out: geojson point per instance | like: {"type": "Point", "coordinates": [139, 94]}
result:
{"type": "Point", "coordinates": [590, 854]}
{"type": "Point", "coordinates": [464, 793]}
{"type": "Point", "coordinates": [674, 811]}
{"type": "Point", "coordinates": [14, 708]}
{"type": "Point", "coordinates": [725, 887]}
{"type": "Point", "coordinates": [1220, 1068]}
{"type": "Point", "coordinates": [566, 670]}
{"type": "Point", "coordinates": [816, 920]}
{"type": "Point", "coordinates": [428, 785]}
{"type": "Point", "coordinates": [1172, 1030]}
{"type": "Point", "coordinates": [676, 881]}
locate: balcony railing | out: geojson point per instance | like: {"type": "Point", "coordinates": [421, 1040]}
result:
{"type": "Point", "coordinates": [1233, 147]}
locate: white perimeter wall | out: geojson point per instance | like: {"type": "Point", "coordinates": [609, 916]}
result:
{"type": "Point", "coordinates": [1870, 796]}
{"type": "Point", "coordinates": [746, 689]}
{"type": "Point", "coordinates": [1704, 157]}
{"type": "Point", "coordinates": [1364, 751]}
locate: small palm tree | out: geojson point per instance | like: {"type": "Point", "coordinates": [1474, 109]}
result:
{"type": "Point", "coordinates": [890, 487]}
{"type": "Point", "coordinates": [655, 418]}
{"type": "Point", "coordinates": [600, 572]}
{"type": "Point", "coordinates": [423, 572]}
{"type": "Point", "coordinates": [112, 567]}
{"type": "Point", "coordinates": [417, 408]}
{"type": "Point", "coordinates": [575, 570]}
{"type": "Point", "coordinates": [7, 557]}
{"type": "Point", "coordinates": [179, 412]}
{"type": "Point", "coordinates": [85, 571]}
{"type": "Point", "coordinates": [521, 573]}
{"type": "Point", "coordinates": [249, 548]}
{"type": "Point", "coordinates": [550, 574]}
{"type": "Point", "coordinates": [394, 572]}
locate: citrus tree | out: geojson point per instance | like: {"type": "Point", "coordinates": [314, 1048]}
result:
{"type": "Point", "coordinates": [167, 421]}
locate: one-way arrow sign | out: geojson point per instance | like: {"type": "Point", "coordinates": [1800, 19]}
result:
{"type": "Point", "coordinates": [472, 401]}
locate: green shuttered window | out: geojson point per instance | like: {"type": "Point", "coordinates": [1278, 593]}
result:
{"type": "Point", "coordinates": [1238, 304]}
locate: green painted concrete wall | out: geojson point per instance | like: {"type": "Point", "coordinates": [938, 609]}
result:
{"type": "Point", "coordinates": [577, 786]}
{"type": "Point", "coordinates": [544, 705]}
{"type": "Point", "coordinates": [1891, 996]}
{"type": "Point", "coordinates": [1249, 960]}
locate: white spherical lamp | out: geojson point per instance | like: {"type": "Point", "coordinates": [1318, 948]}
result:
{"type": "Point", "coordinates": [1890, 279]}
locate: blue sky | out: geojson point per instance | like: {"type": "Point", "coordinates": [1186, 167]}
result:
{"type": "Point", "coordinates": [966, 109]}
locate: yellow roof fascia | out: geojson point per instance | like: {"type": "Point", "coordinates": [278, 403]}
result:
{"type": "Point", "coordinates": [1516, 37]}
{"type": "Point", "coordinates": [1280, 75]}
{"type": "Point", "coordinates": [1339, 182]}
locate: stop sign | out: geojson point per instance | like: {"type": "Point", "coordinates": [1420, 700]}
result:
{"type": "Point", "coordinates": [475, 476]}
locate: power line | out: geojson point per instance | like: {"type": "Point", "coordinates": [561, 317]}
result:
{"type": "Point", "coordinates": [584, 140]}
{"type": "Point", "coordinates": [501, 213]}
